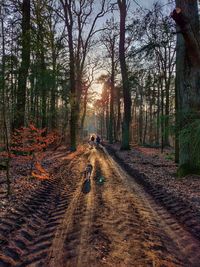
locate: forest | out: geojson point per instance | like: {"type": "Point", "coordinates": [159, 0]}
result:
{"type": "Point", "coordinates": [128, 72]}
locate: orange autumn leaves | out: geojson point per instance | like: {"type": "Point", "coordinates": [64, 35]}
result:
{"type": "Point", "coordinates": [41, 172]}
{"type": "Point", "coordinates": [27, 140]}
{"type": "Point", "coordinates": [29, 143]}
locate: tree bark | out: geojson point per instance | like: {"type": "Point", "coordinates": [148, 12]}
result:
{"type": "Point", "coordinates": [158, 117]}
{"type": "Point", "coordinates": [179, 88]}
{"type": "Point", "coordinates": [53, 90]}
{"type": "Point", "coordinates": [67, 6]}
{"type": "Point", "coordinates": [84, 110]}
{"type": "Point", "coordinates": [23, 71]}
{"type": "Point", "coordinates": [5, 126]}
{"type": "Point", "coordinates": [118, 127]}
{"type": "Point", "coordinates": [43, 88]}
{"type": "Point", "coordinates": [188, 83]}
{"type": "Point", "coordinates": [125, 82]}
{"type": "Point", "coordinates": [112, 88]}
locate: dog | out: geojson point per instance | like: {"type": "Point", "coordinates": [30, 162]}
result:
{"type": "Point", "coordinates": [88, 171]}
{"type": "Point", "coordinates": [87, 183]}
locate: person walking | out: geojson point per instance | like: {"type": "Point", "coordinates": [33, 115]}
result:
{"type": "Point", "coordinates": [98, 140]}
{"type": "Point", "coordinates": [91, 142]}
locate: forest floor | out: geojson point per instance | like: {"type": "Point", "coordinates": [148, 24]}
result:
{"type": "Point", "coordinates": [120, 223]}
{"type": "Point", "coordinates": [156, 171]}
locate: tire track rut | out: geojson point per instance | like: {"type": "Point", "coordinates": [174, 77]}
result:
{"type": "Point", "coordinates": [68, 248]}
{"type": "Point", "coordinates": [117, 224]}
{"type": "Point", "coordinates": [27, 233]}
{"type": "Point", "coordinates": [175, 239]}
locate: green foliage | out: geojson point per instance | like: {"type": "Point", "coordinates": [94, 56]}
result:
{"type": "Point", "coordinates": [186, 169]}
{"type": "Point", "coordinates": [172, 127]}
{"type": "Point", "coordinates": [190, 137]}
{"type": "Point", "coordinates": [170, 156]}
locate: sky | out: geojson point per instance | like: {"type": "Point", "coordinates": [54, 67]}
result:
{"type": "Point", "coordinates": [145, 3]}
{"type": "Point", "coordinates": [148, 4]}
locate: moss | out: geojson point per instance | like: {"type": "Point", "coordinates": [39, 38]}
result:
{"type": "Point", "coordinates": [3, 166]}
{"type": "Point", "coordinates": [170, 156]}
{"type": "Point", "coordinates": [186, 169]}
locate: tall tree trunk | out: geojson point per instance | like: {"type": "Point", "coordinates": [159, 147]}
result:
{"type": "Point", "coordinates": [118, 127]}
{"type": "Point", "coordinates": [53, 92]}
{"type": "Point", "coordinates": [32, 96]}
{"type": "Point", "coordinates": [84, 110]}
{"type": "Point", "coordinates": [180, 55]}
{"type": "Point", "coordinates": [167, 87]}
{"type": "Point", "coordinates": [67, 6]}
{"type": "Point", "coordinates": [158, 117]}
{"type": "Point", "coordinates": [23, 71]}
{"type": "Point", "coordinates": [5, 126]}
{"type": "Point", "coordinates": [188, 83]}
{"type": "Point", "coordinates": [150, 135]}
{"type": "Point", "coordinates": [166, 134]}
{"type": "Point", "coordinates": [73, 100]}
{"type": "Point", "coordinates": [107, 121]}
{"type": "Point", "coordinates": [43, 77]}
{"type": "Point", "coordinates": [162, 115]}
{"type": "Point", "coordinates": [145, 127]}
{"type": "Point", "coordinates": [141, 118]}
{"type": "Point", "coordinates": [112, 88]}
{"type": "Point", "coordinates": [125, 82]}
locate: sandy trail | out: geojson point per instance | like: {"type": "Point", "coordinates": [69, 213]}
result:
{"type": "Point", "coordinates": [116, 224]}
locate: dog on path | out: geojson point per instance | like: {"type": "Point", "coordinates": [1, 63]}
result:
{"type": "Point", "coordinates": [87, 183]}
{"type": "Point", "coordinates": [88, 171]}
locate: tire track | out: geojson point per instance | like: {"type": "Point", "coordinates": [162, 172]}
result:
{"type": "Point", "coordinates": [122, 225]}
{"type": "Point", "coordinates": [179, 208]}
{"type": "Point", "coordinates": [58, 246]}
{"type": "Point", "coordinates": [173, 235]}
{"type": "Point", "coordinates": [27, 233]}
{"type": "Point", "coordinates": [69, 242]}
{"type": "Point", "coordinates": [116, 224]}
{"type": "Point", "coordinates": [85, 252]}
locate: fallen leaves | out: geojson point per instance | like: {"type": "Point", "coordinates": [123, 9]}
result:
{"type": "Point", "coordinates": [41, 172]}
{"type": "Point", "coordinates": [160, 171]}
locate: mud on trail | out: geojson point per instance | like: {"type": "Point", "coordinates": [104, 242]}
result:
{"type": "Point", "coordinates": [116, 224]}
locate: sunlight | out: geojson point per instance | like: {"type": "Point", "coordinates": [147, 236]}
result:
{"type": "Point", "coordinates": [97, 88]}
{"type": "Point", "coordinates": [100, 133]}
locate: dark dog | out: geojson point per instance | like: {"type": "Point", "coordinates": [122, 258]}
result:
{"type": "Point", "coordinates": [87, 183]}
{"type": "Point", "coordinates": [88, 171]}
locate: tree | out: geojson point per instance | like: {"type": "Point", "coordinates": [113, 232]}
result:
{"type": "Point", "coordinates": [4, 107]}
{"type": "Point", "coordinates": [151, 62]}
{"type": "Point", "coordinates": [187, 84]}
{"type": "Point", "coordinates": [24, 68]}
{"type": "Point", "coordinates": [103, 105]}
{"type": "Point", "coordinates": [122, 4]}
{"type": "Point", "coordinates": [86, 85]}
{"type": "Point", "coordinates": [161, 45]}
{"type": "Point", "coordinates": [78, 15]}
{"type": "Point", "coordinates": [29, 143]}
{"type": "Point", "coordinates": [110, 41]}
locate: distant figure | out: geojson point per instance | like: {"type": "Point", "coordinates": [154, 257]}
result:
{"type": "Point", "coordinates": [91, 141]}
{"type": "Point", "coordinates": [86, 187]}
{"type": "Point", "coordinates": [98, 140]}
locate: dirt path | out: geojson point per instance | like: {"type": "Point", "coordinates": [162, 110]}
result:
{"type": "Point", "coordinates": [116, 224]}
